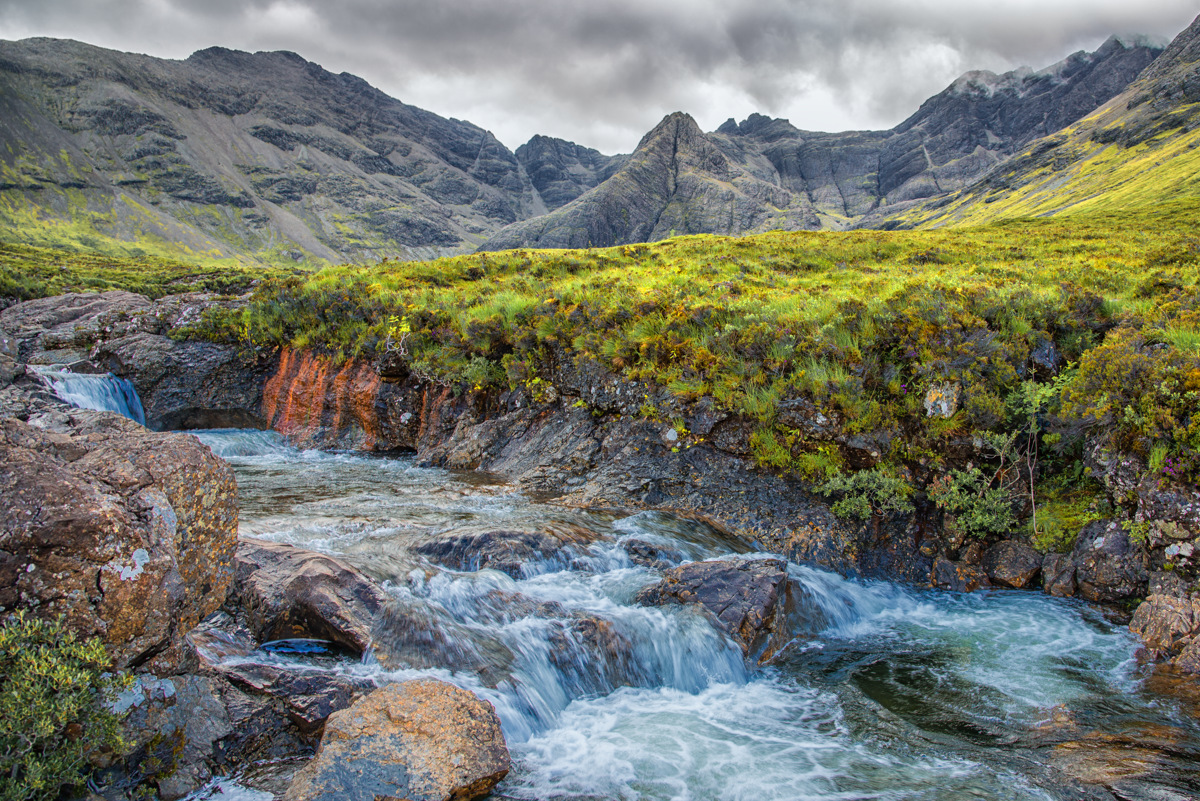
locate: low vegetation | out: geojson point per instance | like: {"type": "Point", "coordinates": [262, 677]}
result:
{"type": "Point", "coordinates": [921, 347]}
{"type": "Point", "coordinates": [53, 713]}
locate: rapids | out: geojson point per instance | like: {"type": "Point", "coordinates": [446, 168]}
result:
{"type": "Point", "coordinates": [887, 692]}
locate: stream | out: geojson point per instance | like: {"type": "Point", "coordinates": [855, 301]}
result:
{"type": "Point", "coordinates": [887, 692]}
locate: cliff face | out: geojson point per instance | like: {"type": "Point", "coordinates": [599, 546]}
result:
{"type": "Point", "coordinates": [765, 174]}
{"type": "Point", "coordinates": [238, 153]}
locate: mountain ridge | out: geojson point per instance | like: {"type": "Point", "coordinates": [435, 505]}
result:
{"type": "Point", "coordinates": [267, 156]}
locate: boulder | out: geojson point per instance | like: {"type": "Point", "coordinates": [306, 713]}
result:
{"type": "Point", "coordinates": [128, 533]}
{"type": "Point", "coordinates": [1012, 564]}
{"type": "Point", "coordinates": [1108, 567]}
{"type": "Point", "coordinates": [516, 553]}
{"type": "Point", "coordinates": [748, 599]}
{"type": "Point", "coordinates": [420, 740]}
{"type": "Point", "coordinates": [957, 576]}
{"type": "Point", "coordinates": [1058, 575]}
{"type": "Point", "coordinates": [285, 592]}
{"type": "Point", "coordinates": [1166, 624]}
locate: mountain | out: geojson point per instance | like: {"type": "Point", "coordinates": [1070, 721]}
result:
{"type": "Point", "coordinates": [678, 180]}
{"type": "Point", "coordinates": [269, 157]}
{"type": "Point", "coordinates": [233, 153]}
{"type": "Point", "coordinates": [562, 171]}
{"type": "Point", "coordinates": [1139, 149]}
{"type": "Point", "coordinates": [765, 174]}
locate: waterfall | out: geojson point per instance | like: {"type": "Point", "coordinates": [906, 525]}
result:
{"type": "Point", "coordinates": [102, 392]}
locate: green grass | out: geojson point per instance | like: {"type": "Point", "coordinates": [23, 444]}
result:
{"type": "Point", "coordinates": [29, 272]}
{"type": "Point", "coordinates": [860, 324]}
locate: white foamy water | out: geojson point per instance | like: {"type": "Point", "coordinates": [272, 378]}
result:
{"type": "Point", "coordinates": [886, 693]}
{"type": "Point", "coordinates": [100, 392]}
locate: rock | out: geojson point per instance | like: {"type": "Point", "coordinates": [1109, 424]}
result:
{"type": "Point", "coordinates": [957, 576]}
{"type": "Point", "coordinates": [1012, 564]}
{"type": "Point", "coordinates": [1166, 624]}
{"type": "Point", "coordinates": [419, 740]}
{"type": "Point", "coordinates": [285, 592]}
{"type": "Point", "coordinates": [942, 400]}
{"type": "Point", "coordinates": [517, 553]}
{"type": "Point", "coordinates": [128, 533]}
{"type": "Point", "coordinates": [647, 554]}
{"type": "Point", "coordinates": [1108, 567]}
{"type": "Point", "coordinates": [309, 697]}
{"type": "Point", "coordinates": [748, 599]}
{"type": "Point", "coordinates": [1058, 575]}
{"type": "Point", "coordinates": [182, 730]}
{"type": "Point", "coordinates": [1188, 661]}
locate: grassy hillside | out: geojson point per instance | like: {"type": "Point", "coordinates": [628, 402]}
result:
{"type": "Point", "coordinates": [1027, 338]}
{"type": "Point", "coordinates": [1031, 336]}
{"type": "Point", "coordinates": [1139, 149]}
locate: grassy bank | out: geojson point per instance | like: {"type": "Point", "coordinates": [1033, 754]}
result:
{"type": "Point", "coordinates": [1027, 337]}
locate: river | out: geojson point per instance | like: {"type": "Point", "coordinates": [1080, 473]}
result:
{"type": "Point", "coordinates": [887, 692]}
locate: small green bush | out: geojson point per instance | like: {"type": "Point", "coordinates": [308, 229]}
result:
{"type": "Point", "coordinates": [53, 713]}
{"type": "Point", "coordinates": [867, 493]}
{"type": "Point", "coordinates": [980, 508]}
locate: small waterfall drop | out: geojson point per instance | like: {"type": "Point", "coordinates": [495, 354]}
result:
{"type": "Point", "coordinates": [101, 392]}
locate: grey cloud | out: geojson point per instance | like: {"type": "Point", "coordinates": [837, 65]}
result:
{"type": "Point", "coordinates": [604, 71]}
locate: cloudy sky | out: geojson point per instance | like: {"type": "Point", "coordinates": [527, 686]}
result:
{"type": "Point", "coordinates": [603, 72]}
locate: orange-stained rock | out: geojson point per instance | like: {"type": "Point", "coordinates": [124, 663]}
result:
{"type": "Point", "coordinates": [315, 402]}
{"type": "Point", "coordinates": [128, 533]}
{"type": "Point", "coordinates": [421, 740]}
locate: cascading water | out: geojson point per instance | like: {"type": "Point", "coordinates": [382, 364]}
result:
{"type": "Point", "coordinates": [101, 392]}
{"type": "Point", "coordinates": [886, 693]}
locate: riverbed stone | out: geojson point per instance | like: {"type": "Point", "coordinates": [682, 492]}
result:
{"type": "Point", "coordinates": [285, 592]}
{"type": "Point", "coordinates": [516, 553]}
{"type": "Point", "coordinates": [748, 599]}
{"type": "Point", "coordinates": [421, 740]}
{"type": "Point", "coordinates": [1058, 575]}
{"type": "Point", "coordinates": [1012, 564]}
{"type": "Point", "coordinates": [1166, 624]}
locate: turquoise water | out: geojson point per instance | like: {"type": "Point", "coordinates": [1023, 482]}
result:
{"type": "Point", "coordinates": [887, 692]}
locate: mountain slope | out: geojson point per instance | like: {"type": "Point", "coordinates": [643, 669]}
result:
{"type": "Point", "coordinates": [676, 182]}
{"type": "Point", "coordinates": [236, 153]}
{"type": "Point", "coordinates": [765, 174]}
{"type": "Point", "coordinates": [1139, 149]}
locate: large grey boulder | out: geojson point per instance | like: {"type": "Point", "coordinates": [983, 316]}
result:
{"type": "Point", "coordinates": [128, 533]}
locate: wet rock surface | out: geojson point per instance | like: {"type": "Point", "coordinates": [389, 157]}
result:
{"type": "Point", "coordinates": [421, 740]}
{"type": "Point", "coordinates": [748, 599]}
{"type": "Point", "coordinates": [285, 592]}
{"type": "Point", "coordinates": [957, 576]}
{"type": "Point", "coordinates": [127, 533]}
{"type": "Point", "coordinates": [517, 553]}
{"type": "Point", "coordinates": [1108, 566]}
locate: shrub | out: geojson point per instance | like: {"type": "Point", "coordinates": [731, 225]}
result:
{"type": "Point", "coordinates": [867, 493]}
{"type": "Point", "coordinates": [53, 690]}
{"type": "Point", "coordinates": [980, 507]}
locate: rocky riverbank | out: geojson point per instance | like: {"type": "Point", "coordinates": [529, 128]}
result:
{"type": "Point", "coordinates": [140, 538]}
